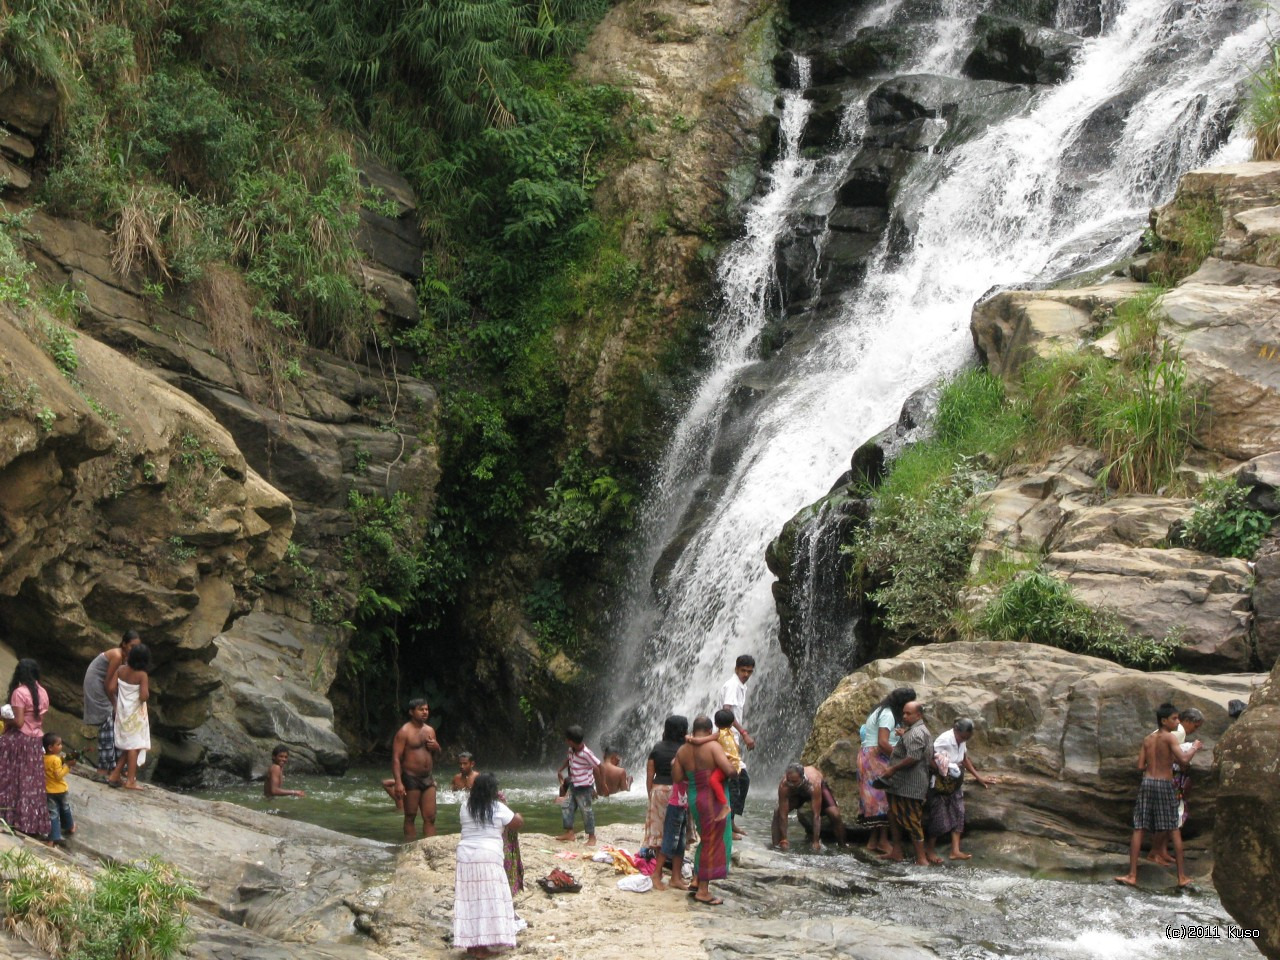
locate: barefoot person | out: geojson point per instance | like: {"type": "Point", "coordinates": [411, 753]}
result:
{"type": "Point", "coordinates": [733, 697]}
{"type": "Point", "coordinates": [100, 709]}
{"type": "Point", "coordinates": [1191, 721]}
{"type": "Point", "coordinates": [944, 807]}
{"type": "Point", "coordinates": [131, 688]}
{"type": "Point", "coordinates": [879, 735]}
{"type": "Point", "coordinates": [907, 783]}
{"type": "Point", "coordinates": [693, 764]}
{"type": "Point", "coordinates": [413, 757]}
{"type": "Point", "coordinates": [801, 786]}
{"type": "Point", "coordinates": [1157, 806]}
{"type": "Point", "coordinates": [273, 782]}
{"type": "Point", "coordinates": [484, 917]}
{"type": "Point", "coordinates": [660, 786]}
{"type": "Point", "coordinates": [578, 774]}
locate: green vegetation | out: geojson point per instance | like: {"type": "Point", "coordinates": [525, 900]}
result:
{"type": "Point", "coordinates": [585, 509]}
{"type": "Point", "coordinates": [1263, 110]}
{"type": "Point", "coordinates": [1223, 523]}
{"type": "Point", "coordinates": [1039, 608]}
{"type": "Point", "coordinates": [126, 912]}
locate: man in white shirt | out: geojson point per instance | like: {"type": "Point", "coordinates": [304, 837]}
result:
{"type": "Point", "coordinates": [733, 697]}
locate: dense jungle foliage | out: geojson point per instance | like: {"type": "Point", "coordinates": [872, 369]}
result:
{"type": "Point", "coordinates": [202, 133]}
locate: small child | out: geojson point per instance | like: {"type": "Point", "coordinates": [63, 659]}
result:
{"type": "Point", "coordinates": [55, 789]}
{"type": "Point", "coordinates": [580, 764]}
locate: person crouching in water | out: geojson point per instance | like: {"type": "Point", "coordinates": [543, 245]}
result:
{"type": "Point", "coordinates": [484, 915]}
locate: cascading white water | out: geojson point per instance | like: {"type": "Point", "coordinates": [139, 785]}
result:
{"type": "Point", "coordinates": [1026, 202]}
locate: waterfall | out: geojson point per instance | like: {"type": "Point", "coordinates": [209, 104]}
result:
{"type": "Point", "coordinates": [1062, 186]}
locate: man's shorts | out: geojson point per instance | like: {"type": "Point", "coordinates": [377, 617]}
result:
{"type": "Point", "coordinates": [908, 814]}
{"type": "Point", "coordinates": [1157, 806]}
{"type": "Point", "coordinates": [411, 782]}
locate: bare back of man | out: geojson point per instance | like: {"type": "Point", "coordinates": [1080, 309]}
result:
{"type": "Point", "coordinates": [413, 756]}
{"type": "Point", "coordinates": [1157, 808]}
{"type": "Point", "coordinates": [611, 779]}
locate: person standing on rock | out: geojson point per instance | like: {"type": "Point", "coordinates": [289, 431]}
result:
{"type": "Point", "coordinates": [879, 735]}
{"type": "Point", "coordinates": [130, 687]}
{"type": "Point", "coordinates": [413, 759]}
{"type": "Point", "coordinates": [1157, 806]}
{"type": "Point", "coordinates": [694, 764]}
{"type": "Point", "coordinates": [733, 697]}
{"type": "Point", "coordinates": [944, 808]}
{"type": "Point", "coordinates": [1191, 720]}
{"type": "Point", "coordinates": [484, 915]}
{"type": "Point", "coordinates": [99, 708]}
{"type": "Point", "coordinates": [906, 782]}
{"type": "Point", "coordinates": [23, 802]}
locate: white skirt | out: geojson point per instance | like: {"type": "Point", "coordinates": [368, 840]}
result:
{"type": "Point", "coordinates": [483, 914]}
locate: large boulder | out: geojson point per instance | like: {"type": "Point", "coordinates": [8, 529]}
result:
{"type": "Point", "coordinates": [1019, 52]}
{"type": "Point", "coordinates": [1061, 730]}
{"type": "Point", "coordinates": [1246, 837]}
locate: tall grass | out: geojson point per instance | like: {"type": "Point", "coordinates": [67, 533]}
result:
{"type": "Point", "coordinates": [1263, 109]}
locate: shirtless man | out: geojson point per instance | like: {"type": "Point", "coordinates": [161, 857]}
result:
{"type": "Point", "coordinates": [273, 782]}
{"type": "Point", "coordinates": [801, 785]}
{"type": "Point", "coordinates": [610, 777]}
{"type": "Point", "coordinates": [467, 773]}
{"type": "Point", "coordinates": [413, 755]}
{"type": "Point", "coordinates": [1157, 806]}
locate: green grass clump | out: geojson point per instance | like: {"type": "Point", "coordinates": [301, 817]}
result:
{"type": "Point", "coordinates": [1263, 110]}
{"type": "Point", "coordinates": [1223, 523]}
{"type": "Point", "coordinates": [1040, 608]}
{"type": "Point", "coordinates": [132, 911]}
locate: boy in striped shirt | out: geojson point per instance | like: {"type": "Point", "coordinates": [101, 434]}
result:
{"type": "Point", "coordinates": [580, 764]}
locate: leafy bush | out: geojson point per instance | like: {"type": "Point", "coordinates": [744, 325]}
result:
{"type": "Point", "coordinates": [914, 554]}
{"type": "Point", "coordinates": [1040, 608]}
{"type": "Point", "coordinates": [1223, 523]}
{"type": "Point", "coordinates": [585, 508]}
{"type": "Point", "coordinates": [132, 911]}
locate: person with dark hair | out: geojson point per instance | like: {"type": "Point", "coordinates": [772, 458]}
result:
{"type": "Point", "coordinates": [484, 916]}
{"type": "Point", "coordinates": [694, 763]}
{"type": "Point", "coordinates": [466, 774]}
{"type": "Point", "coordinates": [578, 772]}
{"type": "Point", "coordinates": [663, 805]}
{"type": "Point", "coordinates": [879, 737]}
{"type": "Point", "coordinates": [802, 785]}
{"type": "Point", "coordinates": [23, 804]}
{"type": "Point", "coordinates": [1157, 807]}
{"type": "Point", "coordinates": [611, 776]}
{"type": "Point", "coordinates": [413, 760]}
{"type": "Point", "coordinates": [512, 860]}
{"type": "Point", "coordinates": [100, 709]}
{"type": "Point", "coordinates": [56, 769]}
{"type": "Point", "coordinates": [733, 697]}
{"type": "Point", "coordinates": [907, 783]}
{"type": "Point", "coordinates": [1190, 720]}
{"type": "Point", "coordinates": [273, 782]}
{"type": "Point", "coordinates": [131, 689]}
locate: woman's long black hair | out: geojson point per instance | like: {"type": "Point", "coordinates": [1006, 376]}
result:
{"type": "Point", "coordinates": [27, 673]}
{"type": "Point", "coordinates": [676, 728]}
{"type": "Point", "coordinates": [484, 794]}
{"type": "Point", "coordinates": [896, 700]}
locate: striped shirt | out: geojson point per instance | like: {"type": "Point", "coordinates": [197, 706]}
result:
{"type": "Point", "coordinates": [582, 765]}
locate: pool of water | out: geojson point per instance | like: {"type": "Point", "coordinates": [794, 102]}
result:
{"type": "Point", "coordinates": [355, 803]}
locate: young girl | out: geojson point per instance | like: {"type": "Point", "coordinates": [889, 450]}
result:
{"type": "Point", "coordinates": [130, 690]}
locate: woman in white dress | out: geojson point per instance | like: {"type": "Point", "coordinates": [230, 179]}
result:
{"type": "Point", "coordinates": [483, 915]}
{"type": "Point", "coordinates": [131, 689]}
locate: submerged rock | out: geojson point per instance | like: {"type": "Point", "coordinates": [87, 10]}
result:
{"type": "Point", "coordinates": [1019, 52]}
{"type": "Point", "coordinates": [1060, 729]}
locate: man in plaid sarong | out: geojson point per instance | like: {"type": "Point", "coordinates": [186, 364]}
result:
{"type": "Point", "coordinates": [1157, 807]}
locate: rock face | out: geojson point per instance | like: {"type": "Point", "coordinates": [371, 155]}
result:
{"type": "Point", "coordinates": [1246, 838]}
{"type": "Point", "coordinates": [1061, 730]}
{"type": "Point", "coordinates": [122, 501]}
{"type": "Point", "coordinates": [296, 441]}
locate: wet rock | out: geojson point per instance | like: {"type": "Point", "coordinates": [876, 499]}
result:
{"type": "Point", "coordinates": [873, 50]}
{"type": "Point", "coordinates": [1061, 730]}
{"type": "Point", "coordinates": [825, 116]}
{"type": "Point", "coordinates": [1019, 52]}
{"type": "Point", "coordinates": [1246, 837]}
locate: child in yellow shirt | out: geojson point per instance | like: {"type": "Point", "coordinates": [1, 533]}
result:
{"type": "Point", "coordinates": [55, 789]}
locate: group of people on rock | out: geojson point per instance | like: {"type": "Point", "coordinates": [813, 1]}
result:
{"type": "Point", "coordinates": [33, 764]}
